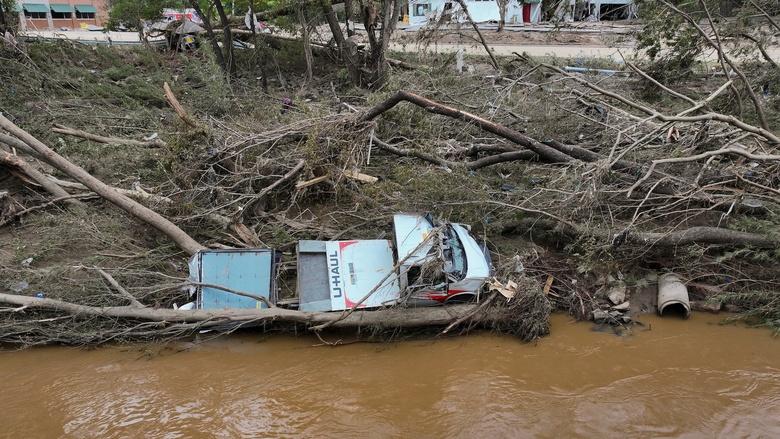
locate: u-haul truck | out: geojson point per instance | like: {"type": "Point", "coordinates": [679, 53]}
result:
{"type": "Point", "coordinates": [426, 263]}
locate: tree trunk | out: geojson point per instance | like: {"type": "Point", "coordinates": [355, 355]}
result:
{"type": "Point", "coordinates": [252, 17]}
{"type": "Point", "coordinates": [62, 129]}
{"type": "Point", "coordinates": [479, 34]}
{"type": "Point", "coordinates": [502, 5]}
{"type": "Point", "coordinates": [347, 49]}
{"type": "Point", "coordinates": [390, 12]}
{"type": "Point", "coordinates": [227, 43]}
{"type": "Point", "coordinates": [13, 142]}
{"type": "Point", "coordinates": [289, 8]}
{"type": "Point", "coordinates": [3, 20]}
{"type": "Point", "coordinates": [183, 240]}
{"type": "Point", "coordinates": [9, 18]}
{"type": "Point", "coordinates": [211, 37]}
{"type": "Point", "coordinates": [566, 233]}
{"type": "Point", "coordinates": [259, 53]}
{"type": "Point", "coordinates": [306, 36]}
{"type": "Point", "coordinates": [703, 236]}
{"type": "Point", "coordinates": [347, 14]}
{"type": "Point", "coordinates": [384, 318]}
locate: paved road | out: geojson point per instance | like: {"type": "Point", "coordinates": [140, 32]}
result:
{"type": "Point", "coordinates": [538, 50]}
{"type": "Point", "coordinates": [568, 51]}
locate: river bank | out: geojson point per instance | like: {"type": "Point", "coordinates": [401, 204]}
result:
{"type": "Point", "coordinates": [555, 172]}
{"type": "Point", "coordinates": [675, 378]}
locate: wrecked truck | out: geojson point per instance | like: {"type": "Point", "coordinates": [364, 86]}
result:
{"type": "Point", "coordinates": [425, 263]}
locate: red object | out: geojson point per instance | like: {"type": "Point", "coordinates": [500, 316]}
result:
{"type": "Point", "coordinates": [527, 13]}
{"type": "Point", "coordinates": [441, 296]}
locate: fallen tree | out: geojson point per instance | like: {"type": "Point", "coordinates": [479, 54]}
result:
{"type": "Point", "coordinates": [503, 157]}
{"type": "Point", "coordinates": [568, 232]}
{"type": "Point", "coordinates": [526, 317]}
{"type": "Point", "coordinates": [25, 168]}
{"type": "Point", "coordinates": [387, 318]}
{"type": "Point", "coordinates": [545, 152]}
{"type": "Point", "coordinates": [703, 236]}
{"type": "Point", "coordinates": [132, 207]}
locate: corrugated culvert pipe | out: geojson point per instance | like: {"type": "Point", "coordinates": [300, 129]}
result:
{"type": "Point", "coordinates": [673, 296]}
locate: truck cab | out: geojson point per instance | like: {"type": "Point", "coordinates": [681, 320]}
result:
{"type": "Point", "coordinates": [426, 263]}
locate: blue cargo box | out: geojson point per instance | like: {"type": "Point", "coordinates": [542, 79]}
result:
{"type": "Point", "coordinates": [246, 270]}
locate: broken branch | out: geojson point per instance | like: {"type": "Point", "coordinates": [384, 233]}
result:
{"type": "Point", "coordinates": [704, 155]}
{"type": "Point", "coordinates": [177, 107]}
{"type": "Point", "coordinates": [470, 315]}
{"type": "Point", "coordinates": [111, 281]}
{"type": "Point", "coordinates": [294, 171]}
{"type": "Point", "coordinates": [544, 151]}
{"type": "Point", "coordinates": [731, 120]}
{"type": "Point", "coordinates": [483, 162]}
{"type": "Point", "coordinates": [138, 194]}
{"type": "Point", "coordinates": [61, 129]}
{"type": "Point", "coordinates": [52, 188]}
{"type": "Point", "coordinates": [182, 239]}
{"type": "Point", "coordinates": [45, 205]}
{"type": "Point", "coordinates": [493, 61]}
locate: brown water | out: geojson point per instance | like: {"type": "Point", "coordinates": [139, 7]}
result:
{"type": "Point", "coordinates": [678, 379]}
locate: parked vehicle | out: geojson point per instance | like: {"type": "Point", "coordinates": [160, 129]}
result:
{"type": "Point", "coordinates": [426, 263]}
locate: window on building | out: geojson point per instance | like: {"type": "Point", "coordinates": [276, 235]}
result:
{"type": "Point", "coordinates": [421, 9]}
{"type": "Point", "coordinates": [85, 12]}
{"type": "Point", "coordinates": [35, 10]}
{"type": "Point", "coordinates": [60, 11]}
{"type": "Point", "coordinates": [29, 14]}
{"type": "Point", "coordinates": [60, 15]}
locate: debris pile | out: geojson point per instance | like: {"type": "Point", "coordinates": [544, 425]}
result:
{"type": "Point", "coordinates": [567, 178]}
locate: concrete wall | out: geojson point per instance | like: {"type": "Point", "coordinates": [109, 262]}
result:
{"type": "Point", "coordinates": [482, 11]}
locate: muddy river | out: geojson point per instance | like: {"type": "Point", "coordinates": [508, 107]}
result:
{"type": "Point", "coordinates": [673, 379]}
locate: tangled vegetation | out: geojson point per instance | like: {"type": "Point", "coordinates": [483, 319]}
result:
{"type": "Point", "coordinates": [638, 191]}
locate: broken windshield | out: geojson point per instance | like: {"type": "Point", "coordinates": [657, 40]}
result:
{"type": "Point", "coordinates": [454, 254]}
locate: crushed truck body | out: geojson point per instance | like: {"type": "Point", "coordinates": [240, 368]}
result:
{"type": "Point", "coordinates": [426, 263]}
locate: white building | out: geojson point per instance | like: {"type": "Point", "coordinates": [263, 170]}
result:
{"type": "Point", "coordinates": [420, 12]}
{"type": "Point", "coordinates": [596, 10]}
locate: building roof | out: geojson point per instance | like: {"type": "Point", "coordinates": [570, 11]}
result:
{"type": "Point", "coordinates": [35, 7]}
{"type": "Point", "coordinates": [86, 9]}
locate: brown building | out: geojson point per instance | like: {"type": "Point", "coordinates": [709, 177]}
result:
{"type": "Point", "coordinates": [61, 14]}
